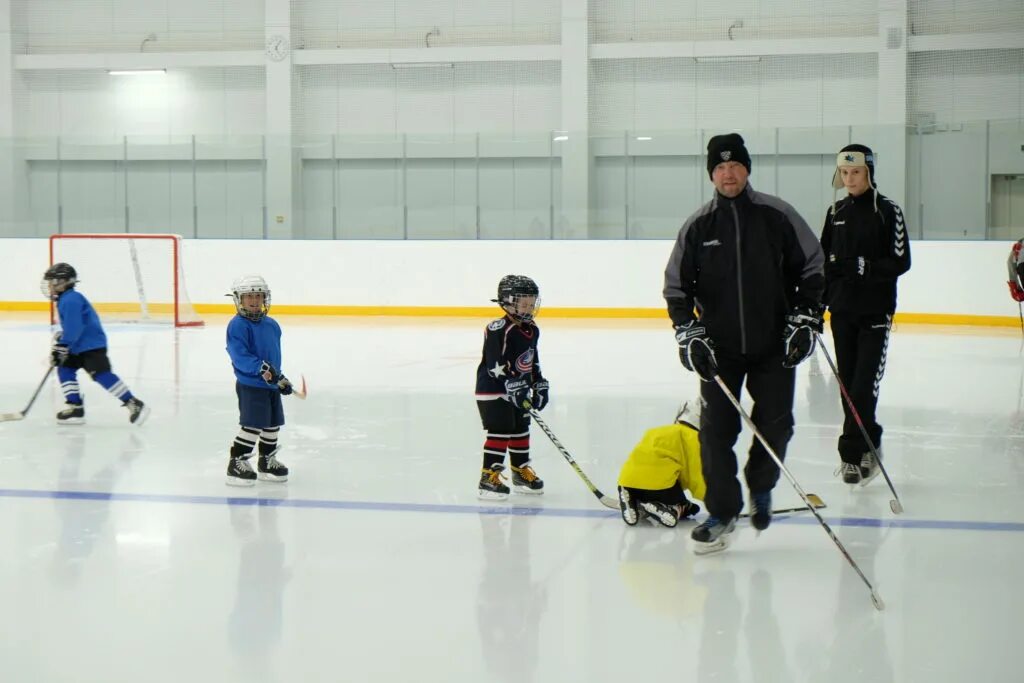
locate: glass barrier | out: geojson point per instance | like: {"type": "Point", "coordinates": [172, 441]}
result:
{"type": "Point", "coordinates": [954, 181]}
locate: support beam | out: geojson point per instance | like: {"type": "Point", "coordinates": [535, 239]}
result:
{"type": "Point", "coordinates": [891, 144]}
{"type": "Point", "coordinates": [281, 166]}
{"type": "Point", "coordinates": [573, 139]}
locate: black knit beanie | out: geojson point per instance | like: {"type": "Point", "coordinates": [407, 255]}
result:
{"type": "Point", "coordinates": [728, 147]}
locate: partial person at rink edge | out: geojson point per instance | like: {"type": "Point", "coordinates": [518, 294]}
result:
{"type": "Point", "coordinates": [743, 287]}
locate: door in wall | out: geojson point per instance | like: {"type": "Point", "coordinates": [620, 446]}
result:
{"type": "Point", "coordinates": [1007, 208]}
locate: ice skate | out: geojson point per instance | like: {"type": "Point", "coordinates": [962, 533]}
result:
{"type": "Point", "coordinates": [525, 480]}
{"type": "Point", "coordinates": [72, 414]}
{"type": "Point", "coordinates": [713, 536]}
{"type": "Point", "coordinates": [271, 469]}
{"type": "Point", "coordinates": [869, 468]}
{"type": "Point", "coordinates": [137, 411]}
{"type": "Point", "coordinates": [491, 485]}
{"type": "Point", "coordinates": [761, 510]}
{"type": "Point", "coordinates": [240, 473]}
{"type": "Point", "coordinates": [850, 473]}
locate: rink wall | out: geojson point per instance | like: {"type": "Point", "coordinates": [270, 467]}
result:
{"type": "Point", "coordinates": [950, 282]}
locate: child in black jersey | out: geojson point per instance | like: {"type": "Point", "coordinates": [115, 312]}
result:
{"type": "Point", "coordinates": [508, 381]}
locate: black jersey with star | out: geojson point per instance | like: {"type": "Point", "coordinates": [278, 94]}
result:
{"type": "Point", "coordinates": [510, 350]}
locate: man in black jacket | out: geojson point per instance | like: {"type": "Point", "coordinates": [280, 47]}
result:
{"type": "Point", "coordinates": [743, 287]}
{"type": "Point", "coordinates": [866, 246]}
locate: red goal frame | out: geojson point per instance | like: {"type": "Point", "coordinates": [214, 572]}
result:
{"type": "Point", "coordinates": [175, 241]}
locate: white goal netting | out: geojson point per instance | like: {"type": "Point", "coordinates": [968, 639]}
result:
{"type": "Point", "coordinates": [130, 277]}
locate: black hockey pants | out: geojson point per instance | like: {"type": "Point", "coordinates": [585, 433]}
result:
{"type": "Point", "coordinates": [771, 386]}
{"type": "Point", "coordinates": [861, 343]}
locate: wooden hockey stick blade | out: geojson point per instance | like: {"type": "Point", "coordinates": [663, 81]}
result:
{"type": "Point", "coordinates": [608, 502]}
{"type": "Point", "coordinates": [11, 417]}
{"type": "Point", "coordinates": [300, 391]}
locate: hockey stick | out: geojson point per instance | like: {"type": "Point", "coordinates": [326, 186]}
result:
{"type": "Point", "coordinates": [815, 501]}
{"type": "Point", "coordinates": [12, 417]}
{"type": "Point", "coordinates": [605, 500]}
{"type": "Point", "coordinates": [894, 504]}
{"type": "Point", "coordinates": [300, 391]}
{"type": "Point", "coordinates": [875, 599]}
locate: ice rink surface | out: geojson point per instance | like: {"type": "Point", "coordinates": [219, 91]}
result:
{"type": "Point", "coordinates": [124, 557]}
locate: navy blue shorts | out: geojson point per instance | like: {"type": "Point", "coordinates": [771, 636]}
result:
{"type": "Point", "coordinates": [259, 408]}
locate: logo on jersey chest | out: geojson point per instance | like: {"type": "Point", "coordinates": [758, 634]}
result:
{"type": "Point", "coordinates": [524, 364]}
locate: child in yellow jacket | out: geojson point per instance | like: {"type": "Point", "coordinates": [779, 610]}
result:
{"type": "Point", "coordinates": [662, 467]}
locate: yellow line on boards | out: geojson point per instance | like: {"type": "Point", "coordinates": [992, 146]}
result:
{"type": "Point", "coordinates": [492, 311]}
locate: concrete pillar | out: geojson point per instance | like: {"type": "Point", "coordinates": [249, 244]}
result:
{"type": "Point", "coordinates": [891, 144]}
{"type": "Point", "coordinates": [575, 147]}
{"type": "Point", "coordinates": [281, 173]}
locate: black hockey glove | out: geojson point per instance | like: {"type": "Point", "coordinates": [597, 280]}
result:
{"type": "Point", "coordinates": [285, 386]}
{"type": "Point", "coordinates": [269, 373]}
{"type": "Point", "coordinates": [540, 394]}
{"type": "Point", "coordinates": [518, 390]}
{"type": "Point", "coordinates": [59, 355]}
{"type": "Point", "coordinates": [696, 351]}
{"type": "Point", "coordinates": [802, 323]}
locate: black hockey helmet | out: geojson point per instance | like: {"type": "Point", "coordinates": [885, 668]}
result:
{"type": "Point", "coordinates": [512, 289]}
{"type": "Point", "coordinates": [57, 279]}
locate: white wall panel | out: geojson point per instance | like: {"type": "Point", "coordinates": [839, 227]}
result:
{"type": "Point", "coordinates": [379, 273]}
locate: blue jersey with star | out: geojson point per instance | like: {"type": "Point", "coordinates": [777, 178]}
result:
{"type": "Point", "coordinates": [510, 351]}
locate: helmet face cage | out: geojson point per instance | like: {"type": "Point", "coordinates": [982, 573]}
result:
{"type": "Point", "coordinates": [58, 278]}
{"type": "Point", "coordinates": [519, 297]}
{"type": "Point", "coordinates": [251, 284]}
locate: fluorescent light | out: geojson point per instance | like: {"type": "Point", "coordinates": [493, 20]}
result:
{"type": "Point", "coordinates": [422, 65]}
{"type": "Point", "coordinates": [561, 138]}
{"type": "Point", "coordinates": [644, 138]}
{"type": "Point", "coordinates": [137, 72]}
{"type": "Point", "coordinates": [728, 58]}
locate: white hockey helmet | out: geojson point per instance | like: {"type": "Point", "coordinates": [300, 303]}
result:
{"type": "Point", "coordinates": [251, 284]}
{"type": "Point", "coordinates": [689, 412]}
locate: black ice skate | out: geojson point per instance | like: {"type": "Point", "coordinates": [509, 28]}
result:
{"type": "Point", "coordinates": [240, 473]}
{"type": "Point", "coordinates": [525, 480]}
{"type": "Point", "coordinates": [137, 411]}
{"type": "Point", "coordinates": [271, 469]}
{"type": "Point", "coordinates": [661, 513]}
{"type": "Point", "coordinates": [761, 510]}
{"type": "Point", "coordinates": [713, 535]}
{"type": "Point", "coordinates": [627, 506]}
{"type": "Point", "coordinates": [869, 468]}
{"type": "Point", "coordinates": [72, 414]}
{"type": "Point", "coordinates": [850, 473]}
{"type": "Point", "coordinates": [491, 485]}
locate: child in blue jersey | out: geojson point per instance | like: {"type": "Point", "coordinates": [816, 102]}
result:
{"type": "Point", "coordinates": [82, 344]}
{"type": "Point", "coordinates": [254, 345]}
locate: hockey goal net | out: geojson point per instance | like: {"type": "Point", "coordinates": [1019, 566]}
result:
{"type": "Point", "coordinates": [129, 277]}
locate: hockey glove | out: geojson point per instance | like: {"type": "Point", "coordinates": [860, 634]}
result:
{"type": "Point", "coordinates": [59, 355]}
{"type": "Point", "coordinates": [1016, 292]}
{"type": "Point", "coordinates": [696, 352]}
{"type": "Point", "coordinates": [285, 386]}
{"type": "Point", "coordinates": [518, 391]}
{"type": "Point", "coordinates": [540, 394]}
{"type": "Point", "coordinates": [802, 323]}
{"type": "Point", "coordinates": [269, 373]}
